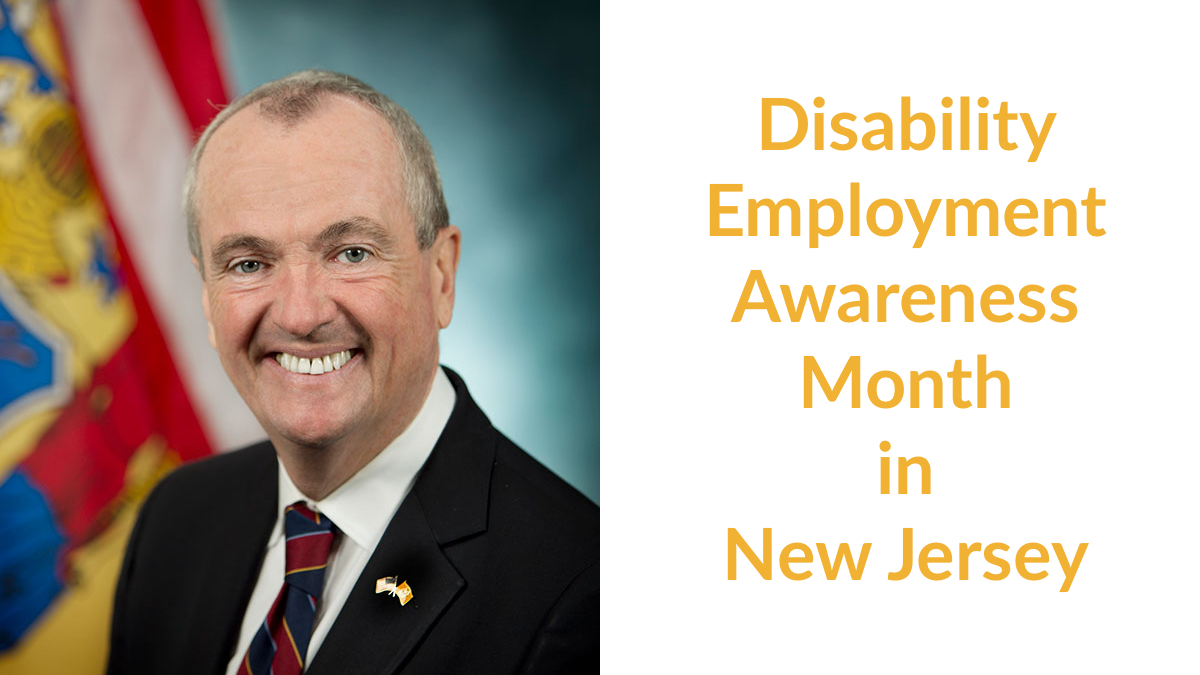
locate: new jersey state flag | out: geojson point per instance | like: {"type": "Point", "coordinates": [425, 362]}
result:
{"type": "Point", "coordinates": [105, 379]}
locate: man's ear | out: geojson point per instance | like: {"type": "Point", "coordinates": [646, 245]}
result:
{"type": "Point", "coordinates": [446, 249]}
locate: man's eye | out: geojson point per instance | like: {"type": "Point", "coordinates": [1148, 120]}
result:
{"type": "Point", "coordinates": [248, 267]}
{"type": "Point", "coordinates": [353, 255]}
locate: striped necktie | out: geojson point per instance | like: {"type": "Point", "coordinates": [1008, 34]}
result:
{"type": "Point", "coordinates": [281, 645]}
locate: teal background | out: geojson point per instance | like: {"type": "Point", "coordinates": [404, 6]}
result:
{"type": "Point", "coordinates": [508, 94]}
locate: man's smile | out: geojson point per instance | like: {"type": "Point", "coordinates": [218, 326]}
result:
{"type": "Point", "coordinates": [316, 365]}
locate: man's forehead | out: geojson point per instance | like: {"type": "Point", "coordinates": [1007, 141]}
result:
{"type": "Point", "coordinates": [334, 120]}
{"type": "Point", "coordinates": [342, 150]}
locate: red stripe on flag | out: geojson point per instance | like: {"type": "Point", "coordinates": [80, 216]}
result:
{"type": "Point", "coordinates": [170, 398]}
{"type": "Point", "coordinates": [181, 33]}
{"type": "Point", "coordinates": [166, 398]}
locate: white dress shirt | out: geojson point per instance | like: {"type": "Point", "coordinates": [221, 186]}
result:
{"type": "Point", "coordinates": [360, 509]}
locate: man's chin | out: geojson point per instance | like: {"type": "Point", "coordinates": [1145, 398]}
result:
{"type": "Point", "coordinates": [315, 436]}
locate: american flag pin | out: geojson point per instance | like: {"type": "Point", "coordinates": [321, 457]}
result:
{"type": "Point", "coordinates": [398, 589]}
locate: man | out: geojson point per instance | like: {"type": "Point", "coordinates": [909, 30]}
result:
{"type": "Point", "coordinates": [386, 527]}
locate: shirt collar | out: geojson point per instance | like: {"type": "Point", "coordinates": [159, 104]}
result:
{"type": "Point", "coordinates": [363, 506]}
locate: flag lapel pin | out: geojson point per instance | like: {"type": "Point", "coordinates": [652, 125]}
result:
{"type": "Point", "coordinates": [398, 589]}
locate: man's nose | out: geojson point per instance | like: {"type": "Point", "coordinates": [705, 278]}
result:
{"type": "Point", "coordinates": [302, 304]}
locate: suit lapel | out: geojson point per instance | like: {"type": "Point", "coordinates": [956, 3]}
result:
{"type": "Point", "coordinates": [374, 634]}
{"type": "Point", "coordinates": [232, 569]}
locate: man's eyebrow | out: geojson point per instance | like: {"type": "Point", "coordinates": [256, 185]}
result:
{"type": "Point", "coordinates": [357, 227]}
{"type": "Point", "coordinates": [229, 244]}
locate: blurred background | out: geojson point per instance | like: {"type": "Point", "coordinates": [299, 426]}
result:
{"type": "Point", "coordinates": [107, 381]}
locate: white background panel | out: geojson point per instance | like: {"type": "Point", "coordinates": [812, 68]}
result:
{"type": "Point", "coordinates": [703, 424]}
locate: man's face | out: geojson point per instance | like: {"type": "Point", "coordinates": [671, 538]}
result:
{"type": "Point", "coordinates": [310, 252]}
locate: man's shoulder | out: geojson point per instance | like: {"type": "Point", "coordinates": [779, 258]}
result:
{"type": "Point", "coordinates": [222, 475]}
{"type": "Point", "coordinates": [199, 537]}
{"type": "Point", "coordinates": [220, 485]}
{"type": "Point", "coordinates": [477, 478]}
{"type": "Point", "coordinates": [520, 482]}
{"type": "Point", "coordinates": [551, 529]}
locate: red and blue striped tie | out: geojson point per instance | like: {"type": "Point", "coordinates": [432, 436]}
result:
{"type": "Point", "coordinates": [281, 644]}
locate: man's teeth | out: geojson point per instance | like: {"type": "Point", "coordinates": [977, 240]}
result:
{"type": "Point", "coordinates": [316, 366]}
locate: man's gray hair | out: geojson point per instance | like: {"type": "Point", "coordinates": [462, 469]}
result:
{"type": "Point", "coordinates": [290, 100]}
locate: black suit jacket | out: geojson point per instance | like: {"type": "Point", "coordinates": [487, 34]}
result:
{"type": "Point", "coordinates": [502, 557]}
